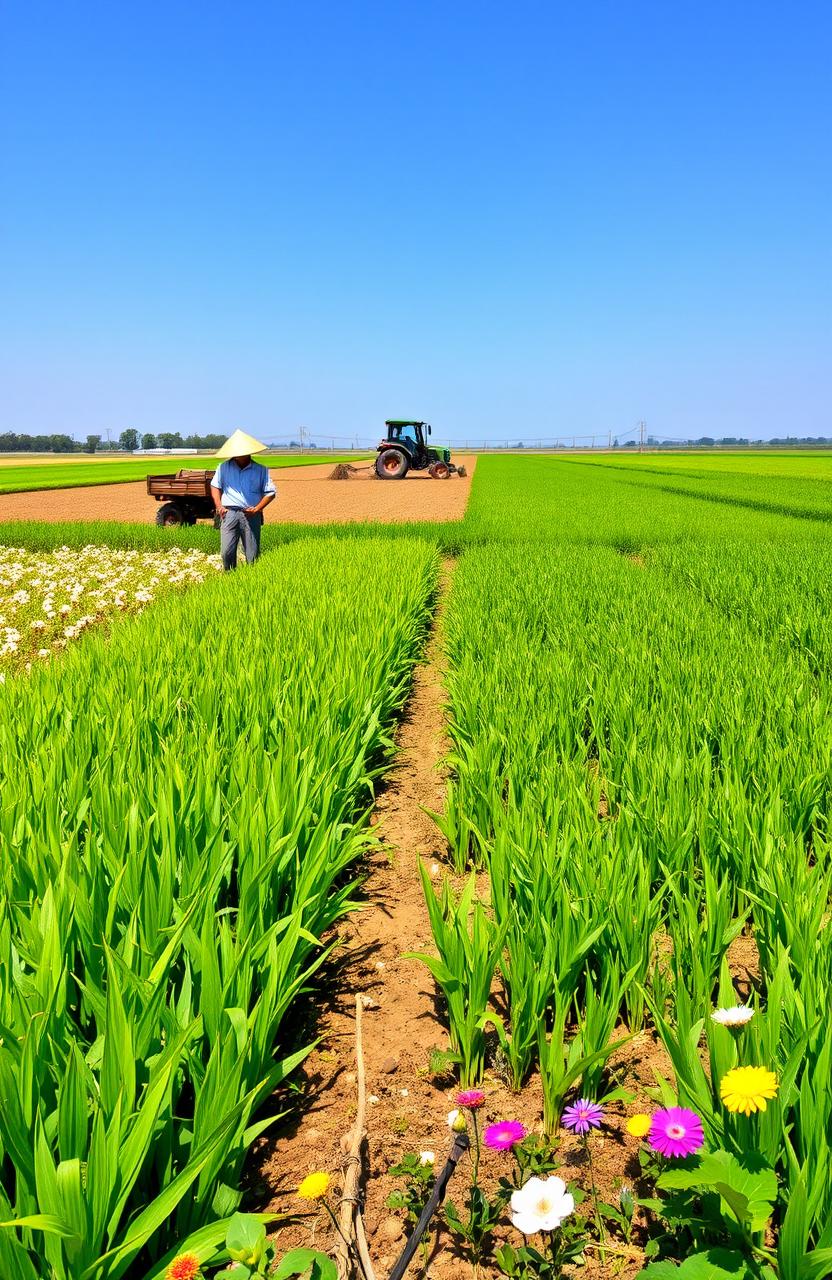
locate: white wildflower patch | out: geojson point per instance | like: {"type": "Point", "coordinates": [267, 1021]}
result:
{"type": "Point", "coordinates": [49, 599]}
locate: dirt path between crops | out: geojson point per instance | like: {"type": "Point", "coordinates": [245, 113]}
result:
{"type": "Point", "coordinates": [305, 495]}
{"type": "Point", "coordinates": [408, 1108]}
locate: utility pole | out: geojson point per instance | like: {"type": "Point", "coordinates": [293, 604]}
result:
{"type": "Point", "coordinates": [642, 424]}
{"type": "Point", "coordinates": [609, 439]}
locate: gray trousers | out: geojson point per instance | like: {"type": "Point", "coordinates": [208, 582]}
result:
{"type": "Point", "coordinates": [237, 526]}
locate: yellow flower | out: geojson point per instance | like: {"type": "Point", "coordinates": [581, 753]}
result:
{"type": "Point", "coordinates": [747, 1088]}
{"type": "Point", "coordinates": [314, 1186]}
{"type": "Point", "coordinates": [638, 1126]}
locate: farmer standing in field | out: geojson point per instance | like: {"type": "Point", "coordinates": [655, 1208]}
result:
{"type": "Point", "coordinates": [241, 490]}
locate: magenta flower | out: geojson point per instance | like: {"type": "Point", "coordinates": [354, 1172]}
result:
{"type": "Point", "coordinates": [504, 1135]}
{"type": "Point", "coordinates": [676, 1132]}
{"type": "Point", "coordinates": [470, 1098]}
{"type": "Point", "coordinates": [583, 1116]}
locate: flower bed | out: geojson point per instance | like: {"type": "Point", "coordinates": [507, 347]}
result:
{"type": "Point", "coordinates": [47, 600]}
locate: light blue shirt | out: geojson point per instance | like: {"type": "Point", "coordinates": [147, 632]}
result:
{"type": "Point", "coordinates": [242, 486]}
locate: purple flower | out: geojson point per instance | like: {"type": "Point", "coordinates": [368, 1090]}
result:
{"type": "Point", "coordinates": [504, 1135]}
{"type": "Point", "coordinates": [583, 1116]}
{"type": "Point", "coordinates": [676, 1132]}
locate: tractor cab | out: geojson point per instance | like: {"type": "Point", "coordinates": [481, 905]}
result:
{"type": "Point", "coordinates": [411, 436]}
{"type": "Point", "coordinates": [405, 448]}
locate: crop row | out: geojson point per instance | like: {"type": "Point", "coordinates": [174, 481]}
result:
{"type": "Point", "coordinates": [567, 501]}
{"type": "Point", "coordinates": [643, 764]}
{"type": "Point", "coordinates": [182, 806]}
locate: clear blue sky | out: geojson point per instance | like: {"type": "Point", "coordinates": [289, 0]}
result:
{"type": "Point", "coordinates": [513, 219]}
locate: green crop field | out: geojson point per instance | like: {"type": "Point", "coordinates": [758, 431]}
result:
{"type": "Point", "coordinates": [162, 896]}
{"type": "Point", "coordinates": [635, 656]}
{"type": "Point", "coordinates": [28, 477]}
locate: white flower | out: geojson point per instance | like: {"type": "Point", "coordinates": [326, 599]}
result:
{"type": "Point", "coordinates": [541, 1205]}
{"type": "Point", "coordinates": [737, 1016]}
{"type": "Point", "coordinates": [453, 1116]}
{"type": "Point", "coordinates": [426, 1158]}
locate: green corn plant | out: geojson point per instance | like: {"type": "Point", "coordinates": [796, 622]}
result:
{"type": "Point", "coordinates": [702, 925]}
{"type": "Point", "coordinates": [549, 930]}
{"type": "Point", "coordinates": [597, 1020]}
{"type": "Point", "coordinates": [563, 1061]}
{"type": "Point", "coordinates": [469, 946]}
{"type": "Point", "coordinates": [636, 910]}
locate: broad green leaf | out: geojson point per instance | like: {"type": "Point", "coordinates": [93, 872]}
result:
{"type": "Point", "coordinates": [246, 1239]}
{"type": "Point", "coordinates": [750, 1192]}
{"type": "Point", "coordinates": [714, 1264]}
{"type": "Point", "coordinates": [306, 1262]}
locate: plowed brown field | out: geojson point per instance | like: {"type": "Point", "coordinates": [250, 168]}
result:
{"type": "Point", "coordinates": [305, 495]}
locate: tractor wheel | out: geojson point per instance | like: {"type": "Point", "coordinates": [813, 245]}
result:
{"type": "Point", "coordinates": [392, 464]}
{"type": "Point", "coordinates": [439, 470]}
{"type": "Point", "coordinates": [170, 513]}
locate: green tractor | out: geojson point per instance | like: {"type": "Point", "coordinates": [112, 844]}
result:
{"type": "Point", "coordinates": [405, 448]}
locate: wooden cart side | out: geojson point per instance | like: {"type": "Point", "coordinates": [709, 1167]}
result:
{"type": "Point", "coordinates": [191, 484]}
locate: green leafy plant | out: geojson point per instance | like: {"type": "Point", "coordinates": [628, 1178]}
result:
{"type": "Point", "coordinates": [722, 1203]}
{"type": "Point", "coordinates": [469, 946]}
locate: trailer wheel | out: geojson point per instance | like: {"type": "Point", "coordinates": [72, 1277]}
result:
{"type": "Point", "coordinates": [171, 513]}
{"type": "Point", "coordinates": [439, 470]}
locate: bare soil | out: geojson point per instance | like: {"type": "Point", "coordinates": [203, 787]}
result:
{"type": "Point", "coordinates": [408, 1107]}
{"type": "Point", "coordinates": [744, 961]}
{"type": "Point", "coordinates": [305, 495]}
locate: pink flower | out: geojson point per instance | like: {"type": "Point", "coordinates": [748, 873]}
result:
{"type": "Point", "coordinates": [470, 1098]}
{"type": "Point", "coordinates": [504, 1135]}
{"type": "Point", "coordinates": [676, 1132]}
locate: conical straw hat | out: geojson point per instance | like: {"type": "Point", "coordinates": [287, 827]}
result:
{"type": "Point", "coordinates": [240, 445]}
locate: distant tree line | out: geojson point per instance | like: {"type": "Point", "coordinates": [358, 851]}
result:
{"type": "Point", "coordinates": [131, 439]}
{"type": "Point", "coordinates": [12, 442]}
{"type": "Point", "coordinates": [15, 442]}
